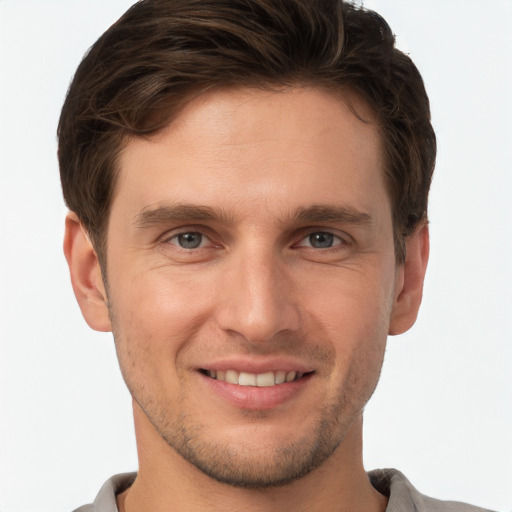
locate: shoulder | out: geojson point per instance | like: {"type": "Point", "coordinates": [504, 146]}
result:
{"type": "Point", "coordinates": [403, 497]}
{"type": "Point", "coordinates": [106, 499]}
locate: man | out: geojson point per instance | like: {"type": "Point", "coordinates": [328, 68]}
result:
{"type": "Point", "coordinates": [247, 184]}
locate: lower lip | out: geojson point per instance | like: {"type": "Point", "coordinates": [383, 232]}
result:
{"type": "Point", "coordinates": [256, 398]}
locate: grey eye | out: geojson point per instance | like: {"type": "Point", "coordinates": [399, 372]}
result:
{"type": "Point", "coordinates": [189, 240]}
{"type": "Point", "coordinates": [321, 240]}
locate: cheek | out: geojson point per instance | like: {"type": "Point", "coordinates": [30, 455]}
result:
{"type": "Point", "coordinates": [357, 299]}
{"type": "Point", "coordinates": [154, 316]}
{"type": "Point", "coordinates": [353, 313]}
{"type": "Point", "coordinates": [359, 340]}
{"type": "Point", "coordinates": [161, 300]}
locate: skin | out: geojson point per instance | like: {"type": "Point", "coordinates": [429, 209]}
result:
{"type": "Point", "coordinates": [272, 173]}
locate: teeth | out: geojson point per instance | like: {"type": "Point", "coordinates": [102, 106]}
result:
{"type": "Point", "coordinates": [291, 376]}
{"type": "Point", "coordinates": [232, 376]}
{"type": "Point", "coordinates": [247, 379]}
{"type": "Point", "coordinates": [255, 379]}
{"type": "Point", "coordinates": [265, 379]}
{"type": "Point", "coordinates": [280, 377]}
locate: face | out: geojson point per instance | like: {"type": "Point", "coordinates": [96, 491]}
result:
{"type": "Point", "coordinates": [252, 278]}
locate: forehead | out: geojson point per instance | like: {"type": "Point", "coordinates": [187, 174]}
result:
{"type": "Point", "coordinates": [294, 147]}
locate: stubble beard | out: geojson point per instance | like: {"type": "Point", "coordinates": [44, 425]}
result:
{"type": "Point", "coordinates": [242, 467]}
{"type": "Point", "coordinates": [239, 466]}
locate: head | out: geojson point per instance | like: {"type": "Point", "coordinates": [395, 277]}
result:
{"type": "Point", "coordinates": [253, 179]}
{"type": "Point", "coordinates": [161, 54]}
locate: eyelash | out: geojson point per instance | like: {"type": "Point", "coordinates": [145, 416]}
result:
{"type": "Point", "coordinates": [176, 236]}
{"type": "Point", "coordinates": [341, 241]}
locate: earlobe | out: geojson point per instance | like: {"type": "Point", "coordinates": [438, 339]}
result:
{"type": "Point", "coordinates": [409, 291]}
{"type": "Point", "coordinates": [85, 273]}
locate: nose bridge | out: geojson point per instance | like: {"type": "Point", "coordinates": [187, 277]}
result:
{"type": "Point", "coordinates": [258, 295]}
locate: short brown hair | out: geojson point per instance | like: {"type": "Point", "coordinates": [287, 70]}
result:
{"type": "Point", "coordinates": [160, 53]}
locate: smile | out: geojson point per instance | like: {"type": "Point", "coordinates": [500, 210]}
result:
{"type": "Point", "coordinates": [266, 379]}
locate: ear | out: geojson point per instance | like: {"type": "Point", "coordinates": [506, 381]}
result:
{"type": "Point", "coordinates": [85, 274]}
{"type": "Point", "coordinates": [411, 274]}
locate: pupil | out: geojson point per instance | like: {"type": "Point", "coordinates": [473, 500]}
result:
{"type": "Point", "coordinates": [190, 240]}
{"type": "Point", "coordinates": [321, 240]}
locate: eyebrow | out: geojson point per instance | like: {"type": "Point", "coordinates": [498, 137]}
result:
{"type": "Point", "coordinates": [332, 213]}
{"type": "Point", "coordinates": [151, 216]}
{"type": "Point", "coordinates": [180, 212]}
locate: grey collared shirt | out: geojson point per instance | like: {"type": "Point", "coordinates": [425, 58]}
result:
{"type": "Point", "coordinates": [403, 497]}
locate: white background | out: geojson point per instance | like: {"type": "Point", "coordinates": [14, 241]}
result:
{"type": "Point", "coordinates": [443, 411]}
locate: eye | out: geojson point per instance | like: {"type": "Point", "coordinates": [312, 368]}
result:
{"type": "Point", "coordinates": [321, 240]}
{"type": "Point", "coordinates": [189, 240]}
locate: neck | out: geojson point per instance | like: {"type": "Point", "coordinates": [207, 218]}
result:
{"type": "Point", "coordinates": [166, 481]}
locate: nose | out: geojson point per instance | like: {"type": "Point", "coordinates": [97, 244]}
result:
{"type": "Point", "coordinates": [257, 299]}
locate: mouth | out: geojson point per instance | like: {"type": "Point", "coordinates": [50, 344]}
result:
{"type": "Point", "coordinates": [261, 380]}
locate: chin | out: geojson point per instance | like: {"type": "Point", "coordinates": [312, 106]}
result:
{"type": "Point", "coordinates": [266, 457]}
